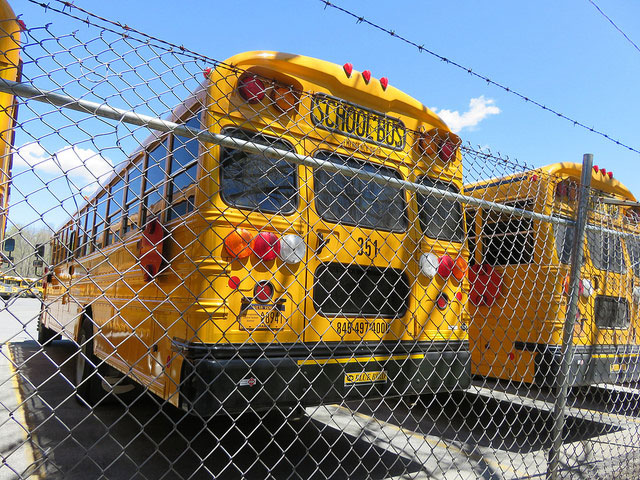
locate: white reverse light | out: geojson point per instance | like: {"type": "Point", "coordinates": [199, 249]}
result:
{"type": "Point", "coordinates": [292, 249]}
{"type": "Point", "coordinates": [429, 264]}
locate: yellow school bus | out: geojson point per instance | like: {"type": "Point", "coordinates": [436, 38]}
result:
{"type": "Point", "coordinates": [222, 278]}
{"type": "Point", "coordinates": [10, 69]}
{"type": "Point", "coordinates": [520, 271]}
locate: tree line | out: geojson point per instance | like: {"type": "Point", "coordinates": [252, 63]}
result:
{"type": "Point", "coordinates": [19, 262]}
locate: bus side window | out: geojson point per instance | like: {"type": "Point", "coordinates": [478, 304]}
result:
{"type": "Point", "coordinates": [86, 243]}
{"type": "Point", "coordinates": [101, 215]}
{"type": "Point", "coordinates": [55, 248]}
{"type": "Point", "coordinates": [71, 240]}
{"type": "Point", "coordinates": [154, 176]}
{"type": "Point", "coordinates": [132, 199]}
{"type": "Point", "coordinates": [182, 173]}
{"type": "Point", "coordinates": [63, 244]}
{"type": "Point", "coordinates": [115, 212]}
{"type": "Point", "coordinates": [82, 232]}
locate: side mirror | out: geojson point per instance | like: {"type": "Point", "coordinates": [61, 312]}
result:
{"type": "Point", "coordinates": [9, 245]}
{"type": "Point", "coordinates": [40, 250]}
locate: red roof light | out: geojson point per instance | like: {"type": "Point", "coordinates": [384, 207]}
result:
{"type": "Point", "coordinates": [251, 88]}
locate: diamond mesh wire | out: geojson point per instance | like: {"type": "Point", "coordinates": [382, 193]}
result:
{"type": "Point", "coordinates": [264, 271]}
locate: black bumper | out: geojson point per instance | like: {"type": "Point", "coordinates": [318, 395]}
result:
{"type": "Point", "coordinates": [231, 379]}
{"type": "Point", "coordinates": [591, 364]}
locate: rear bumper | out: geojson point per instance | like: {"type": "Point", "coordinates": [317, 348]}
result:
{"type": "Point", "coordinates": [232, 379]}
{"type": "Point", "coordinates": [591, 364]}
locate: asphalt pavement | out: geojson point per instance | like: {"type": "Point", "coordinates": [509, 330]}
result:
{"type": "Point", "coordinates": [491, 431]}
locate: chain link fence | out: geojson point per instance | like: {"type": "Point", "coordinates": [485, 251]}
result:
{"type": "Point", "coordinates": [277, 267]}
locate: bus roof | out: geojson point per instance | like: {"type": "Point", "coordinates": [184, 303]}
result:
{"type": "Point", "coordinates": [328, 74]}
{"type": "Point", "coordinates": [334, 77]}
{"type": "Point", "coordinates": [560, 169]}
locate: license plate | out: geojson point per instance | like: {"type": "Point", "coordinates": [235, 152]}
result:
{"type": "Point", "coordinates": [617, 367]}
{"type": "Point", "coordinates": [351, 120]}
{"type": "Point", "coordinates": [365, 378]}
{"type": "Point", "coordinates": [258, 316]}
{"type": "Point", "coordinates": [361, 327]}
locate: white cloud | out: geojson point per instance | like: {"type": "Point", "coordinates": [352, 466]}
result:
{"type": "Point", "coordinates": [479, 109]}
{"type": "Point", "coordinates": [83, 165]}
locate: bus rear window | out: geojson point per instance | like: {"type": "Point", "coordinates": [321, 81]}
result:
{"type": "Point", "coordinates": [257, 182]}
{"type": "Point", "coordinates": [633, 246]}
{"type": "Point", "coordinates": [605, 249]}
{"type": "Point", "coordinates": [358, 202]}
{"type": "Point", "coordinates": [508, 239]}
{"type": "Point", "coordinates": [439, 218]}
{"type": "Point", "coordinates": [563, 234]}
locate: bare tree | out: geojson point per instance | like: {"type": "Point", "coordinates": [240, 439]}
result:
{"type": "Point", "coordinates": [24, 254]}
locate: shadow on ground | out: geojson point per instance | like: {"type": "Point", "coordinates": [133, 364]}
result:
{"type": "Point", "coordinates": [146, 439]}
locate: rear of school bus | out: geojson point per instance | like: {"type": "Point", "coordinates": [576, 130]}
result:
{"type": "Point", "coordinates": [517, 329]}
{"type": "Point", "coordinates": [631, 239]}
{"type": "Point", "coordinates": [305, 285]}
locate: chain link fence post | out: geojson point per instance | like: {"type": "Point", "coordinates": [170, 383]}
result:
{"type": "Point", "coordinates": [566, 352]}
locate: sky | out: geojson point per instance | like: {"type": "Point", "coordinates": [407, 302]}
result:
{"type": "Point", "coordinates": [565, 55]}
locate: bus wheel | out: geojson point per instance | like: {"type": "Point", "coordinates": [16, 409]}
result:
{"type": "Point", "coordinates": [87, 380]}
{"type": "Point", "coordinates": [45, 334]}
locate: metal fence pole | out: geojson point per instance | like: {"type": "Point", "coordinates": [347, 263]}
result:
{"type": "Point", "coordinates": [566, 350]}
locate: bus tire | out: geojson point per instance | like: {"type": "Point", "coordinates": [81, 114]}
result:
{"type": "Point", "coordinates": [45, 334]}
{"type": "Point", "coordinates": [87, 379]}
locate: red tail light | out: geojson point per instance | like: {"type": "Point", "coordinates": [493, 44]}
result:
{"type": "Point", "coordinates": [266, 246]}
{"type": "Point", "coordinates": [251, 88]}
{"type": "Point", "coordinates": [438, 142]}
{"type": "Point", "coordinates": [446, 266]}
{"type": "Point", "coordinates": [603, 171]}
{"type": "Point", "coordinates": [442, 301]}
{"type": "Point", "coordinates": [263, 292]}
{"type": "Point", "coordinates": [234, 282]}
{"type": "Point", "coordinates": [447, 151]}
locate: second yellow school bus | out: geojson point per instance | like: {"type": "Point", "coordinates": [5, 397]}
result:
{"type": "Point", "coordinates": [520, 274]}
{"type": "Point", "coordinates": [224, 280]}
{"type": "Point", "coordinates": [10, 69]}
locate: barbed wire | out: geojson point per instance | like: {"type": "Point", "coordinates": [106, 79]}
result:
{"type": "Point", "coordinates": [614, 25]}
{"type": "Point", "coordinates": [118, 28]}
{"type": "Point", "coordinates": [422, 49]}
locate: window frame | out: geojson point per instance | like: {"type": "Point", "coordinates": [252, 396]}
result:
{"type": "Point", "coordinates": [450, 186]}
{"type": "Point", "coordinates": [171, 175]}
{"type": "Point", "coordinates": [146, 214]}
{"type": "Point", "coordinates": [530, 238]}
{"type": "Point", "coordinates": [138, 160]}
{"type": "Point", "coordinates": [402, 193]}
{"type": "Point", "coordinates": [113, 230]}
{"type": "Point", "coordinates": [295, 204]}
